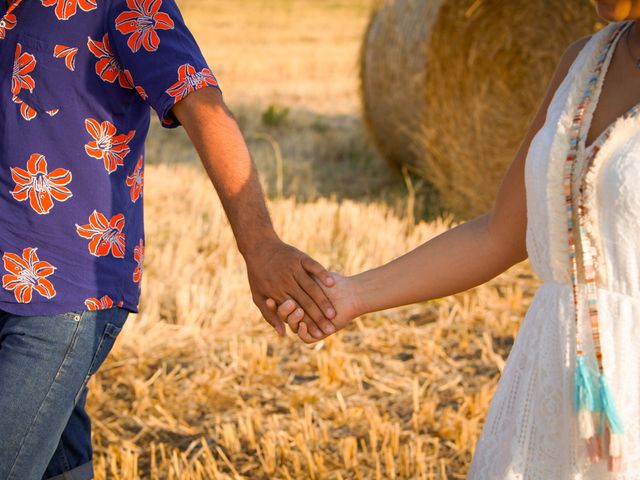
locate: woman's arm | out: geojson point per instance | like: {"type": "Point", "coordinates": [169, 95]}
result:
{"type": "Point", "coordinates": [459, 259]}
{"type": "Point", "coordinates": [471, 253]}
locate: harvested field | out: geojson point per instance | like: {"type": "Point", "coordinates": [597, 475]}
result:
{"type": "Point", "coordinates": [198, 386]}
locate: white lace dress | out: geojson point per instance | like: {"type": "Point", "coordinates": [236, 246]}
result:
{"type": "Point", "coordinates": [530, 430]}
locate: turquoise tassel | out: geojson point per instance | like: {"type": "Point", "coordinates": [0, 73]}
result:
{"type": "Point", "coordinates": [608, 407]}
{"type": "Point", "coordinates": [585, 396]}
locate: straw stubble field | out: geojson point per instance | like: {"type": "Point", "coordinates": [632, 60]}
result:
{"type": "Point", "coordinates": [198, 386]}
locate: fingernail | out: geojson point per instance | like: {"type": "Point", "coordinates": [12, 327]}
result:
{"type": "Point", "coordinates": [329, 328]}
{"type": "Point", "coordinates": [331, 312]}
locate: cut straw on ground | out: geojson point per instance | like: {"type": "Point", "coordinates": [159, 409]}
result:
{"type": "Point", "coordinates": [199, 387]}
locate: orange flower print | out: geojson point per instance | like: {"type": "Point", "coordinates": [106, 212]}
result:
{"type": "Point", "coordinates": [23, 65]}
{"type": "Point", "coordinates": [27, 111]}
{"type": "Point", "coordinates": [143, 94]}
{"type": "Point", "coordinates": [136, 181]}
{"type": "Point", "coordinates": [106, 235]}
{"type": "Point", "coordinates": [9, 23]}
{"type": "Point", "coordinates": [107, 67]}
{"type": "Point", "coordinates": [102, 303]}
{"type": "Point", "coordinates": [131, 84]}
{"type": "Point", "coordinates": [106, 145]}
{"type": "Point", "coordinates": [189, 80]}
{"type": "Point", "coordinates": [40, 187]}
{"type": "Point", "coordinates": [69, 55]}
{"type": "Point", "coordinates": [26, 274]}
{"type": "Point", "coordinates": [141, 23]}
{"type": "Point", "coordinates": [65, 9]}
{"type": "Point", "coordinates": [138, 255]}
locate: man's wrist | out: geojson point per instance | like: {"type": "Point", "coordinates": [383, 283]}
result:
{"type": "Point", "coordinates": [257, 241]}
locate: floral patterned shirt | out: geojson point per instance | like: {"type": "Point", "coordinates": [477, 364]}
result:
{"type": "Point", "coordinates": [79, 77]}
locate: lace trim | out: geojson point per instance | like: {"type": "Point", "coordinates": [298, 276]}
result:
{"type": "Point", "coordinates": [578, 76]}
{"type": "Point", "coordinates": [588, 175]}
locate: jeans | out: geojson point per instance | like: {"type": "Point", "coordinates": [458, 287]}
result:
{"type": "Point", "coordinates": [45, 364]}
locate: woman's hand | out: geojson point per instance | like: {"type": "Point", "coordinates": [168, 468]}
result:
{"type": "Point", "coordinates": [342, 295]}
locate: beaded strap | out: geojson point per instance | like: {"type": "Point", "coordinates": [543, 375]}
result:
{"type": "Point", "coordinates": [592, 398]}
{"type": "Point", "coordinates": [569, 168]}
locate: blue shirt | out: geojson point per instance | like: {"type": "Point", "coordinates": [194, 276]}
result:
{"type": "Point", "coordinates": [77, 78]}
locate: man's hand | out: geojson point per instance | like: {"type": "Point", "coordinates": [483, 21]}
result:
{"type": "Point", "coordinates": [344, 296]}
{"type": "Point", "coordinates": [279, 271]}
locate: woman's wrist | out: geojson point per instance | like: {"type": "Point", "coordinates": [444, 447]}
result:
{"type": "Point", "coordinates": [363, 291]}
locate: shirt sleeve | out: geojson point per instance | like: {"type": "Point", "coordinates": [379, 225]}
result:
{"type": "Point", "coordinates": [157, 53]}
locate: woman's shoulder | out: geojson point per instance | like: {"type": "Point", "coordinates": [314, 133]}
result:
{"type": "Point", "coordinates": [571, 53]}
{"type": "Point", "coordinates": [567, 59]}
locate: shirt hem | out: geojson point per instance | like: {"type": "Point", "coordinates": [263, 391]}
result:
{"type": "Point", "coordinates": [27, 310]}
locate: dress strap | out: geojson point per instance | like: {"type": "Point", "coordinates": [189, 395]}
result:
{"type": "Point", "coordinates": [592, 397]}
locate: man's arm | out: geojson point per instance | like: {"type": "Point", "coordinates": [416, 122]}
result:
{"type": "Point", "coordinates": [276, 270]}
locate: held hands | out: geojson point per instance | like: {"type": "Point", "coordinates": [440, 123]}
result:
{"type": "Point", "coordinates": [280, 272]}
{"type": "Point", "coordinates": [342, 295]}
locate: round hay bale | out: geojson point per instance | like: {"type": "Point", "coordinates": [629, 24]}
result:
{"type": "Point", "coordinates": [393, 75]}
{"type": "Point", "coordinates": [458, 108]}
